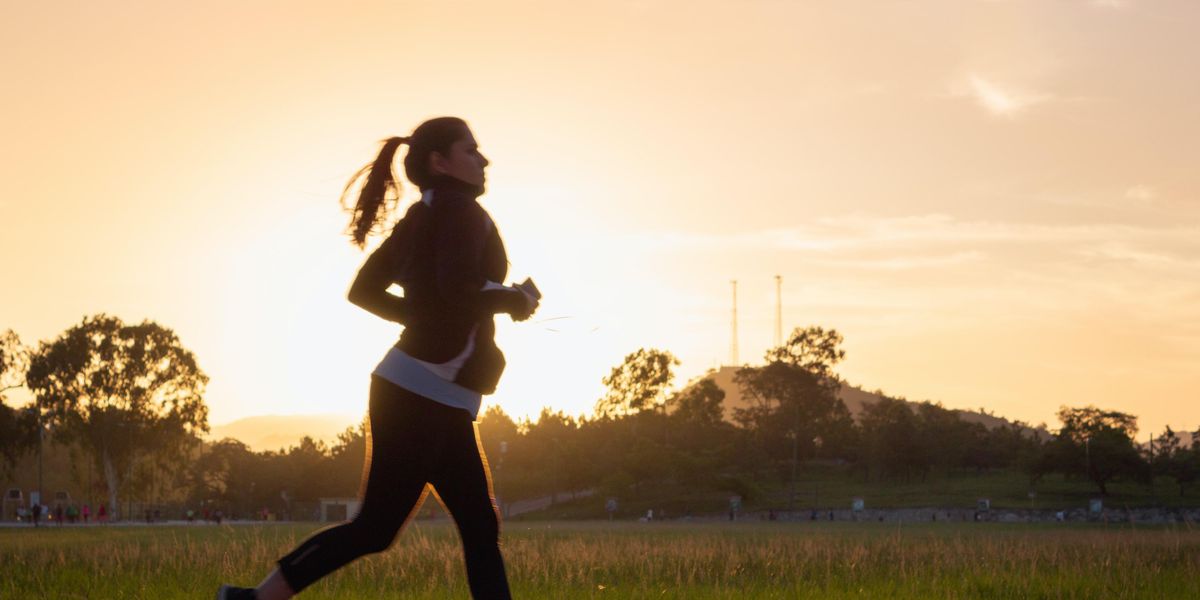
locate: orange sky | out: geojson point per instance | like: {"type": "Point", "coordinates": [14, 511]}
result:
{"type": "Point", "coordinates": [996, 202]}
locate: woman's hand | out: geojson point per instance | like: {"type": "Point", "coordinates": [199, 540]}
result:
{"type": "Point", "coordinates": [531, 305]}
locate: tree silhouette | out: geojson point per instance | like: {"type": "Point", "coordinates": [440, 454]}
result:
{"type": "Point", "coordinates": [793, 398]}
{"type": "Point", "coordinates": [639, 383]}
{"type": "Point", "coordinates": [890, 434]}
{"type": "Point", "coordinates": [698, 403]}
{"type": "Point", "coordinates": [813, 349]}
{"type": "Point", "coordinates": [125, 392]}
{"type": "Point", "coordinates": [18, 427]}
{"type": "Point", "coordinates": [1097, 444]}
{"type": "Point", "coordinates": [14, 361]}
{"type": "Point", "coordinates": [1175, 461]}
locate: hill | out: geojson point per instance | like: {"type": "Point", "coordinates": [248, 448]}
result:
{"type": "Point", "coordinates": [273, 432]}
{"type": "Point", "coordinates": [854, 397]}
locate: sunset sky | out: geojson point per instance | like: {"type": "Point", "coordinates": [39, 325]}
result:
{"type": "Point", "coordinates": [997, 203]}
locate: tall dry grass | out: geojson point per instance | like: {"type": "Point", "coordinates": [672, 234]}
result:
{"type": "Point", "coordinates": [626, 560]}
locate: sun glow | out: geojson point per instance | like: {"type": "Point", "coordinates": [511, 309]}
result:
{"type": "Point", "coordinates": [982, 243]}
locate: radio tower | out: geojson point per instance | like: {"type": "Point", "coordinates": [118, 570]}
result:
{"type": "Point", "coordinates": [733, 349]}
{"type": "Point", "coordinates": [778, 311]}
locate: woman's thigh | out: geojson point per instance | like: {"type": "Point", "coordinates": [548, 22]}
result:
{"type": "Point", "coordinates": [463, 481]}
{"type": "Point", "coordinates": [402, 446]}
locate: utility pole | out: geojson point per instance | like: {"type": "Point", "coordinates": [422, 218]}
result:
{"type": "Point", "coordinates": [795, 461]}
{"type": "Point", "coordinates": [733, 351]}
{"type": "Point", "coordinates": [1087, 453]}
{"type": "Point", "coordinates": [1152, 494]}
{"type": "Point", "coordinates": [41, 443]}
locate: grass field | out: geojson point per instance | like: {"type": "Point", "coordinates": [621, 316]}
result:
{"type": "Point", "coordinates": [631, 560]}
{"type": "Point", "coordinates": [834, 487]}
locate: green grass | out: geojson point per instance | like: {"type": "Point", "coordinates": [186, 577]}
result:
{"type": "Point", "coordinates": [834, 487]}
{"type": "Point", "coordinates": [630, 560]}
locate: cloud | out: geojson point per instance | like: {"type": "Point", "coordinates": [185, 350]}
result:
{"type": "Point", "coordinates": [908, 263]}
{"type": "Point", "coordinates": [1141, 193]}
{"type": "Point", "coordinates": [1001, 100]}
{"type": "Point", "coordinates": [1127, 253]}
{"type": "Point", "coordinates": [939, 240]}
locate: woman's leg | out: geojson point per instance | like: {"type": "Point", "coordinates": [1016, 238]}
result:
{"type": "Point", "coordinates": [401, 452]}
{"type": "Point", "coordinates": [463, 482]}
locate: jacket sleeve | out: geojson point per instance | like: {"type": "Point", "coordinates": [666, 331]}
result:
{"type": "Point", "coordinates": [369, 289]}
{"type": "Point", "coordinates": [460, 234]}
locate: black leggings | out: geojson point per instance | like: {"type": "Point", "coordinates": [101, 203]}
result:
{"type": "Point", "coordinates": [414, 441]}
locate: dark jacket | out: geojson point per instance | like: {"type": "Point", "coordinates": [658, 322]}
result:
{"type": "Point", "coordinates": [442, 255]}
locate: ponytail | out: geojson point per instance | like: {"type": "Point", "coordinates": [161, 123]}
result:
{"type": "Point", "coordinates": [379, 193]}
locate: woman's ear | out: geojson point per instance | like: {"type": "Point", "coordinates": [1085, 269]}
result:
{"type": "Point", "coordinates": [437, 163]}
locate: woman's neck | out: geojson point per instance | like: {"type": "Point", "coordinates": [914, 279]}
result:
{"type": "Point", "coordinates": [445, 184]}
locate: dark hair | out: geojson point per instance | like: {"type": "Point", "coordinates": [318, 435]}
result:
{"type": "Point", "coordinates": [380, 191]}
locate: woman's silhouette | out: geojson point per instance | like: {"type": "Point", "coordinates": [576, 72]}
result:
{"type": "Point", "coordinates": [425, 393]}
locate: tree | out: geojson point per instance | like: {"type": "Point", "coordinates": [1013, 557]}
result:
{"type": "Point", "coordinates": [699, 403]}
{"type": "Point", "coordinates": [125, 392]}
{"type": "Point", "coordinates": [213, 472]}
{"type": "Point", "coordinates": [496, 432]}
{"type": "Point", "coordinates": [1097, 444]}
{"type": "Point", "coordinates": [637, 384]}
{"type": "Point", "coordinates": [813, 349]}
{"type": "Point", "coordinates": [943, 439]}
{"type": "Point", "coordinates": [14, 361]}
{"type": "Point", "coordinates": [701, 440]}
{"type": "Point", "coordinates": [890, 437]}
{"type": "Point", "coordinates": [794, 396]}
{"type": "Point", "coordinates": [18, 433]}
{"type": "Point", "coordinates": [553, 440]}
{"type": "Point", "coordinates": [347, 459]}
{"type": "Point", "coordinates": [18, 427]}
{"type": "Point", "coordinates": [1174, 461]}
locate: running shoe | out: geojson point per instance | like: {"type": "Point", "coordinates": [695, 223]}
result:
{"type": "Point", "coordinates": [228, 592]}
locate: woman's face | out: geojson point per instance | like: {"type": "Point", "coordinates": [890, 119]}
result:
{"type": "Point", "coordinates": [464, 162]}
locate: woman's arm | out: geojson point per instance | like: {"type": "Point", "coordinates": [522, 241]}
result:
{"type": "Point", "coordinates": [369, 290]}
{"type": "Point", "coordinates": [459, 239]}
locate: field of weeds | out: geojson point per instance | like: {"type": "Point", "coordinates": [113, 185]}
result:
{"type": "Point", "coordinates": [630, 560]}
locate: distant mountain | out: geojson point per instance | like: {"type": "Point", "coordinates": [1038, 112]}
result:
{"type": "Point", "coordinates": [854, 398]}
{"type": "Point", "coordinates": [272, 432]}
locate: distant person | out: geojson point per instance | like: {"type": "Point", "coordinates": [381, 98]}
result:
{"type": "Point", "coordinates": [36, 509]}
{"type": "Point", "coordinates": [448, 256]}
{"type": "Point", "coordinates": [102, 514]}
{"type": "Point", "coordinates": [58, 514]}
{"type": "Point", "coordinates": [87, 512]}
